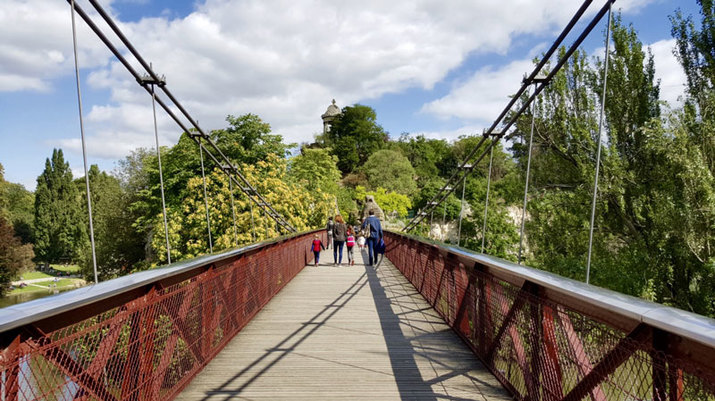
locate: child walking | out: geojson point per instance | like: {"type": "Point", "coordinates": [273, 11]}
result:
{"type": "Point", "coordinates": [316, 247]}
{"type": "Point", "coordinates": [350, 243]}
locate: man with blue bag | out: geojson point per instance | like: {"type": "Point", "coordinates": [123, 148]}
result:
{"type": "Point", "coordinates": [373, 233]}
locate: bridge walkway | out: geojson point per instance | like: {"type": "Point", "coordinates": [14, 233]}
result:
{"type": "Point", "coordinates": [346, 332]}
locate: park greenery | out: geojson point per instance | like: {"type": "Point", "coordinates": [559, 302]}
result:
{"type": "Point", "coordinates": [655, 210]}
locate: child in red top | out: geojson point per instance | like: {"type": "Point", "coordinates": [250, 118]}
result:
{"type": "Point", "coordinates": [316, 246]}
{"type": "Point", "coordinates": [350, 243]}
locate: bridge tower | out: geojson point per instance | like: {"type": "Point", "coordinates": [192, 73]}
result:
{"type": "Point", "coordinates": [329, 116]}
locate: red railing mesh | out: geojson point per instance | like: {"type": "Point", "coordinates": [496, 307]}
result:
{"type": "Point", "coordinates": [150, 347]}
{"type": "Point", "coordinates": [540, 349]}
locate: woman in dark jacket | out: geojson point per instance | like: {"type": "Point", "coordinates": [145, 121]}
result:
{"type": "Point", "coordinates": [339, 236]}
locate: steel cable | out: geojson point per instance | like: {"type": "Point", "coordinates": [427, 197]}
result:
{"type": "Point", "coordinates": [443, 193]}
{"type": "Point", "coordinates": [84, 147]}
{"type": "Point", "coordinates": [206, 197]}
{"type": "Point", "coordinates": [526, 184]}
{"type": "Point", "coordinates": [486, 201]}
{"type": "Point", "coordinates": [161, 176]}
{"type": "Point", "coordinates": [598, 151]}
{"type": "Point", "coordinates": [255, 197]}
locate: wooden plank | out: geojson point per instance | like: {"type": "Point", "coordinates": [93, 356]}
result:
{"type": "Point", "coordinates": [346, 332]}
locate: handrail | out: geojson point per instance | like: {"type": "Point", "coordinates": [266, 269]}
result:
{"type": "Point", "coordinates": [144, 336]}
{"type": "Point", "coordinates": [544, 336]}
{"type": "Point", "coordinates": [683, 323]}
{"type": "Point", "coordinates": [15, 316]}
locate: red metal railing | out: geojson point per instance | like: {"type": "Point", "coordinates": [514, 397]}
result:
{"type": "Point", "coordinates": [145, 341]}
{"type": "Point", "coordinates": [549, 338]}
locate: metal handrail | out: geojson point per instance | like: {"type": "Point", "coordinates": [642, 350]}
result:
{"type": "Point", "coordinates": [19, 315]}
{"type": "Point", "coordinates": [677, 321]}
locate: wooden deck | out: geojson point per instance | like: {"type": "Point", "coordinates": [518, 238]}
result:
{"type": "Point", "coordinates": [346, 332]}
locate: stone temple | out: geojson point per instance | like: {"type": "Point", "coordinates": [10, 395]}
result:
{"type": "Point", "coordinates": [329, 116]}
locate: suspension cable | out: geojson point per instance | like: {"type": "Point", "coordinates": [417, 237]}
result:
{"type": "Point", "coordinates": [206, 197]}
{"type": "Point", "coordinates": [461, 211]}
{"type": "Point", "coordinates": [233, 212]}
{"type": "Point", "coordinates": [457, 175]}
{"type": "Point", "coordinates": [244, 185]}
{"type": "Point", "coordinates": [526, 184]}
{"type": "Point", "coordinates": [253, 223]}
{"type": "Point", "coordinates": [486, 201]}
{"type": "Point", "coordinates": [84, 147]}
{"type": "Point", "coordinates": [161, 176]}
{"type": "Point", "coordinates": [598, 151]}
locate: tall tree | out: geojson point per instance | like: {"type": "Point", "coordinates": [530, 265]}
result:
{"type": "Point", "coordinates": [117, 246]}
{"type": "Point", "coordinates": [248, 139]}
{"type": "Point", "coordinates": [317, 169]}
{"type": "Point", "coordinates": [60, 232]}
{"type": "Point", "coordinates": [390, 170]}
{"type": "Point", "coordinates": [14, 256]}
{"type": "Point", "coordinates": [696, 55]}
{"type": "Point", "coordinates": [354, 136]}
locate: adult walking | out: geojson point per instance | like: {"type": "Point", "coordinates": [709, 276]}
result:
{"type": "Point", "coordinates": [339, 236]}
{"type": "Point", "coordinates": [373, 231]}
{"type": "Point", "coordinates": [329, 228]}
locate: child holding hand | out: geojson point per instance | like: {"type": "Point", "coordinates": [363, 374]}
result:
{"type": "Point", "coordinates": [316, 246]}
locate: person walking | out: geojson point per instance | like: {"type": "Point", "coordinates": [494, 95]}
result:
{"type": "Point", "coordinates": [349, 244]}
{"type": "Point", "coordinates": [316, 246]}
{"type": "Point", "coordinates": [329, 228]}
{"type": "Point", "coordinates": [339, 237]}
{"type": "Point", "coordinates": [373, 231]}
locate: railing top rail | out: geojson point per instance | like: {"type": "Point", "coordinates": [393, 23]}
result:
{"type": "Point", "coordinates": [19, 315]}
{"type": "Point", "coordinates": [685, 324]}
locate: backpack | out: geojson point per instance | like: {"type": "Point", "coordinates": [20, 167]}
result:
{"type": "Point", "coordinates": [351, 241]}
{"type": "Point", "coordinates": [316, 245]}
{"type": "Point", "coordinates": [368, 230]}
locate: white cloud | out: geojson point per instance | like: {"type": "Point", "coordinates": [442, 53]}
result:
{"type": "Point", "coordinates": [668, 70]}
{"type": "Point", "coordinates": [483, 96]}
{"type": "Point", "coordinates": [283, 60]}
{"type": "Point", "coordinates": [36, 44]}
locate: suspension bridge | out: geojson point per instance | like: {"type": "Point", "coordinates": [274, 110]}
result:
{"type": "Point", "coordinates": [430, 321]}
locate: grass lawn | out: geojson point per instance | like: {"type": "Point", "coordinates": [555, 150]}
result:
{"type": "Point", "coordinates": [66, 268]}
{"type": "Point", "coordinates": [34, 275]}
{"type": "Point", "coordinates": [65, 282]}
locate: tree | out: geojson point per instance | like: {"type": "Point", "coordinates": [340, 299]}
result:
{"type": "Point", "coordinates": [14, 256]}
{"type": "Point", "coordinates": [392, 204]}
{"type": "Point", "coordinates": [248, 139]}
{"type": "Point", "coordinates": [116, 243]}
{"type": "Point", "coordinates": [21, 211]}
{"type": "Point", "coordinates": [391, 170]}
{"type": "Point", "coordinates": [316, 169]}
{"type": "Point", "coordinates": [188, 233]}
{"type": "Point", "coordinates": [354, 136]}
{"type": "Point", "coordinates": [427, 156]}
{"type": "Point", "coordinates": [60, 232]}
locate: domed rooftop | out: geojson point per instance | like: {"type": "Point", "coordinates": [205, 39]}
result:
{"type": "Point", "coordinates": [332, 111]}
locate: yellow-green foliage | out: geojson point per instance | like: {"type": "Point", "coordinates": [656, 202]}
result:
{"type": "Point", "coordinates": [188, 234]}
{"type": "Point", "coordinates": [390, 202]}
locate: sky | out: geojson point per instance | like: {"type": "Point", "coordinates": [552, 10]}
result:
{"type": "Point", "coordinates": [430, 67]}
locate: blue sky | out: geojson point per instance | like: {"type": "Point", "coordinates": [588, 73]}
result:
{"type": "Point", "coordinates": [427, 67]}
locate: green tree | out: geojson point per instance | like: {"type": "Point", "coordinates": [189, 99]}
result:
{"type": "Point", "coordinates": [316, 169]}
{"type": "Point", "coordinates": [354, 136]}
{"type": "Point", "coordinates": [14, 256]}
{"type": "Point", "coordinates": [248, 139]}
{"type": "Point", "coordinates": [116, 244]}
{"type": "Point", "coordinates": [60, 232]}
{"type": "Point", "coordinates": [21, 211]}
{"type": "Point", "coordinates": [391, 170]}
{"type": "Point", "coordinates": [392, 204]}
{"type": "Point", "coordinates": [429, 157]}
{"type": "Point", "coordinates": [188, 234]}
